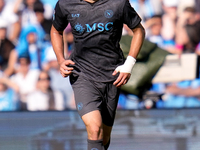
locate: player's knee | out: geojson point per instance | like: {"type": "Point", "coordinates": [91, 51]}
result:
{"type": "Point", "coordinates": [95, 132]}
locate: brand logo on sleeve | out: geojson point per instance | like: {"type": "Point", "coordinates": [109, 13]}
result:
{"type": "Point", "coordinates": [75, 15]}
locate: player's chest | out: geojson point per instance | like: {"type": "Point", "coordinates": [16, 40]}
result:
{"type": "Point", "coordinates": [93, 19]}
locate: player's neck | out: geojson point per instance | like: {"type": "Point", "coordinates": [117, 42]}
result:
{"type": "Point", "coordinates": [91, 1]}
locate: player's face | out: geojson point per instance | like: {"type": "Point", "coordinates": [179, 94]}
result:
{"type": "Point", "coordinates": [91, 1]}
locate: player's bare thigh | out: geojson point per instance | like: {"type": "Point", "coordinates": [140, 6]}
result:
{"type": "Point", "coordinates": [94, 125]}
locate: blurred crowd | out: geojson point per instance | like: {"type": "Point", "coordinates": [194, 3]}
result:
{"type": "Point", "coordinates": [29, 73]}
{"type": "Point", "coordinates": [174, 25]}
{"type": "Point", "coordinates": [30, 78]}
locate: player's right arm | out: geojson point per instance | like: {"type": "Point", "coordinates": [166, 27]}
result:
{"type": "Point", "coordinates": [58, 47]}
{"type": "Point", "coordinates": [58, 25]}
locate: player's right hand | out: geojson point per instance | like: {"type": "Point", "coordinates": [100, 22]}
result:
{"type": "Point", "coordinates": [65, 70]}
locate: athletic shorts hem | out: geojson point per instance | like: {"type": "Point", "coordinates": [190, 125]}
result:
{"type": "Point", "coordinates": [88, 111]}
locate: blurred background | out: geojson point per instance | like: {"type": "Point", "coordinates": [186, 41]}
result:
{"type": "Point", "coordinates": [166, 74]}
{"type": "Point", "coordinates": [159, 104]}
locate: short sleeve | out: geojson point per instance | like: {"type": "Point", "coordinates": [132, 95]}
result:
{"type": "Point", "coordinates": [59, 20]}
{"type": "Point", "coordinates": [130, 16]}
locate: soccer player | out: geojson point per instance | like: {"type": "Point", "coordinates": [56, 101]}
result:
{"type": "Point", "coordinates": [96, 66]}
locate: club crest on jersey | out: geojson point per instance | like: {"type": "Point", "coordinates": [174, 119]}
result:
{"type": "Point", "coordinates": [79, 106]}
{"type": "Point", "coordinates": [79, 28]}
{"type": "Point", "coordinates": [108, 13]}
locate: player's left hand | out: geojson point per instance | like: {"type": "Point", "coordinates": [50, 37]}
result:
{"type": "Point", "coordinates": [122, 78]}
{"type": "Point", "coordinates": [125, 71]}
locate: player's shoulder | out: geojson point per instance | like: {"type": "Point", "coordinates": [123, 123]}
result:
{"type": "Point", "coordinates": [63, 2]}
{"type": "Point", "coordinates": [119, 3]}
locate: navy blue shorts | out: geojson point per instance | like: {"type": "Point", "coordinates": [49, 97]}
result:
{"type": "Point", "coordinates": [90, 96]}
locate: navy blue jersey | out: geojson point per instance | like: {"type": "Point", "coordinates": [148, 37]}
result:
{"type": "Point", "coordinates": [97, 29]}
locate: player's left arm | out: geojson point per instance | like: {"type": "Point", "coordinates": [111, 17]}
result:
{"type": "Point", "coordinates": [126, 68]}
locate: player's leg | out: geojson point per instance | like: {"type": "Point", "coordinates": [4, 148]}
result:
{"type": "Point", "coordinates": [93, 123]}
{"type": "Point", "coordinates": [108, 112]}
{"type": "Point", "coordinates": [94, 127]}
{"type": "Point", "coordinates": [88, 98]}
{"type": "Point", "coordinates": [106, 135]}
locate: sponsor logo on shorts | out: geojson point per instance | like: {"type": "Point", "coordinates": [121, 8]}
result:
{"type": "Point", "coordinates": [108, 13]}
{"type": "Point", "coordinates": [80, 106]}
